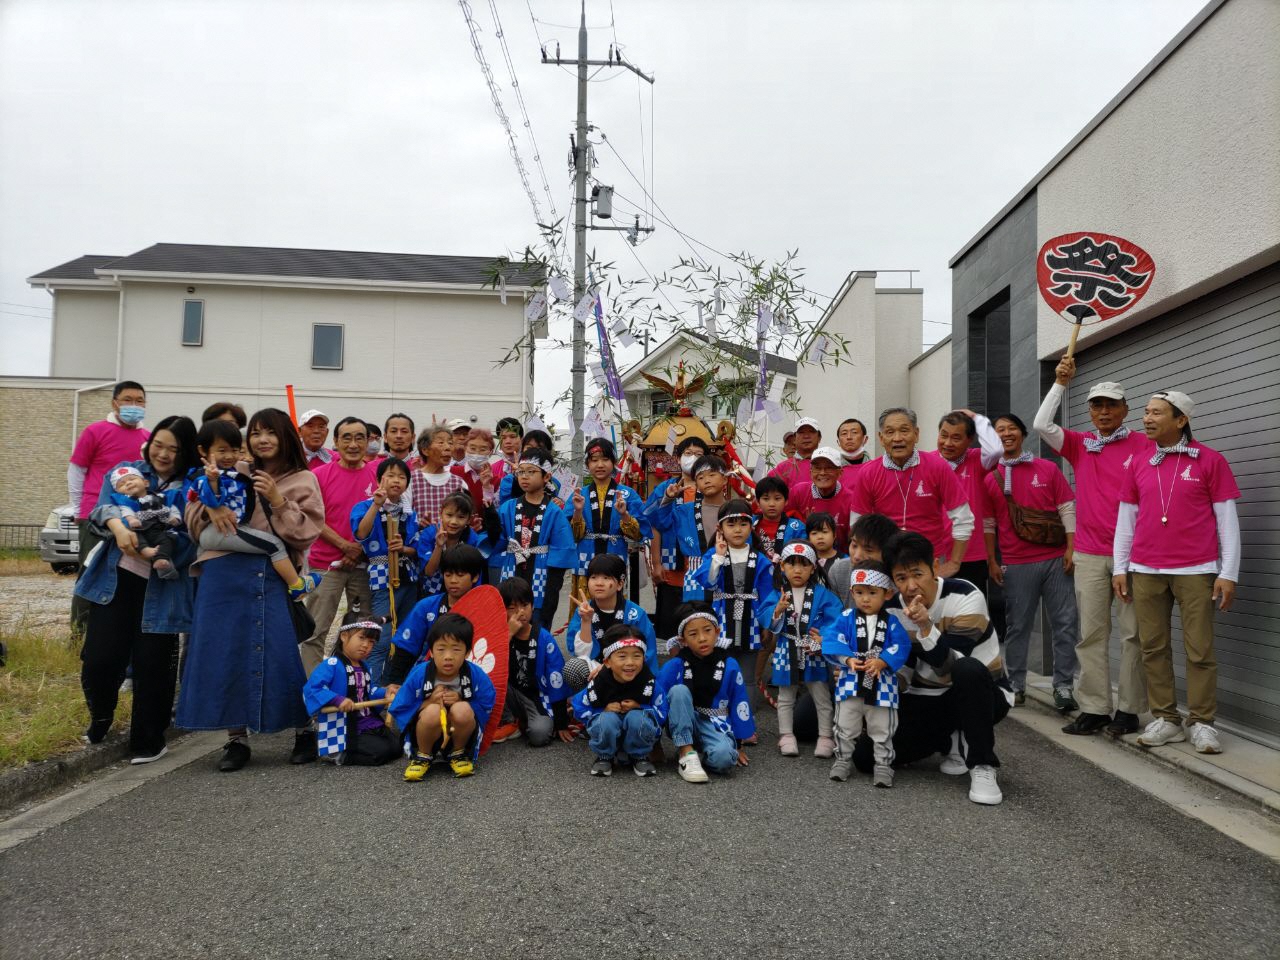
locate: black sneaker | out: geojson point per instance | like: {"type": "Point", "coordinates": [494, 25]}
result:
{"type": "Point", "coordinates": [1086, 724]}
{"type": "Point", "coordinates": [98, 730]}
{"type": "Point", "coordinates": [643, 768]}
{"type": "Point", "coordinates": [1064, 700]}
{"type": "Point", "coordinates": [304, 749]}
{"type": "Point", "coordinates": [1122, 723]}
{"type": "Point", "coordinates": [602, 768]}
{"type": "Point", "coordinates": [1019, 697]}
{"type": "Point", "coordinates": [234, 756]}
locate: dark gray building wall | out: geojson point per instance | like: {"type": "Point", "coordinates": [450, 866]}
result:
{"type": "Point", "coordinates": [994, 365]}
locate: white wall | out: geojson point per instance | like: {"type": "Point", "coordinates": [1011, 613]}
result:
{"type": "Point", "coordinates": [419, 353]}
{"type": "Point", "coordinates": [1187, 168]}
{"type": "Point", "coordinates": [84, 334]}
{"type": "Point", "coordinates": [929, 389]}
{"type": "Point", "coordinates": [899, 340]}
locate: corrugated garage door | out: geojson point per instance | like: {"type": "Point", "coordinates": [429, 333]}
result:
{"type": "Point", "coordinates": [1224, 351]}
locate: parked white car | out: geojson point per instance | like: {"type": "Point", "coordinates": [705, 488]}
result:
{"type": "Point", "coordinates": [60, 540]}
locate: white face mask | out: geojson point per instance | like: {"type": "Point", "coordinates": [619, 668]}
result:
{"type": "Point", "coordinates": [687, 462]}
{"type": "Point", "coordinates": [373, 448]}
{"type": "Point", "coordinates": [476, 460]}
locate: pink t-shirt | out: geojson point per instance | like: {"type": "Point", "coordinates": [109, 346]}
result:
{"type": "Point", "coordinates": [802, 501]}
{"type": "Point", "coordinates": [972, 477]}
{"type": "Point", "coordinates": [1183, 490]}
{"type": "Point", "coordinates": [1099, 479]}
{"type": "Point", "coordinates": [341, 490]}
{"type": "Point", "coordinates": [1039, 485]}
{"type": "Point", "coordinates": [916, 499]}
{"type": "Point", "coordinates": [849, 471]}
{"type": "Point", "coordinates": [794, 472]}
{"type": "Point", "coordinates": [103, 445]}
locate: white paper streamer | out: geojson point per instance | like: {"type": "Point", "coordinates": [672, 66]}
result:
{"type": "Point", "coordinates": [671, 440]}
{"type": "Point", "coordinates": [560, 288]}
{"type": "Point", "coordinates": [535, 308]}
{"type": "Point", "coordinates": [597, 374]}
{"type": "Point", "coordinates": [502, 289]}
{"type": "Point", "coordinates": [818, 350]}
{"type": "Point", "coordinates": [776, 386]}
{"type": "Point", "coordinates": [534, 423]}
{"type": "Point", "coordinates": [583, 309]}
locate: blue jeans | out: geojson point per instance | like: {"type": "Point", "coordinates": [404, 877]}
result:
{"type": "Point", "coordinates": [406, 597]}
{"type": "Point", "coordinates": [636, 729]}
{"type": "Point", "coordinates": [689, 728]}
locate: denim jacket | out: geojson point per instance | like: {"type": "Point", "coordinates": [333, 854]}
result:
{"type": "Point", "coordinates": [168, 603]}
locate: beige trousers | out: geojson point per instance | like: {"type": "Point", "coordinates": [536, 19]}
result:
{"type": "Point", "coordinates": [1154, 595]}
{"type": "Point", "coordinates": [1094, 600]}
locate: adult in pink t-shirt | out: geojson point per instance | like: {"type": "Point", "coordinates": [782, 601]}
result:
{"type": "Point", "coordinates": [1100, 461]}
{"type": "Point", "coordinates": [851, 435]}
{"type": "Point", "coordinates": [824, 493]}
{"type": "Point", "coordinates": [1032, 573]}
{"type": "Point", "coordinates": [956, 432]}
{"type": "Point", "coordinates": [794, 471]}
{"type": "Point", "coordinates": [100, 447]}
{"type": "Point", "coordinates": [917, 493]}
{"type": "Point", "coordinates": [344, 482]}
{"type": "Point", "coordinates": [1177, 533]}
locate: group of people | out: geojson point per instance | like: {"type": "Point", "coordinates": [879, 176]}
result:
{"type": "Point", "coordinates": [847, 591]}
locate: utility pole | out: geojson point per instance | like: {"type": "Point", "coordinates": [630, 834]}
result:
{"type": "Point", "coordinates": [581, 164]}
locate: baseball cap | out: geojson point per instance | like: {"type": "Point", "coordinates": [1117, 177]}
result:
{"type": "Point", "coordinates": [456, 423]}
{"type": "Point", "coordinates": [807, 422]}
{"type": "Point", "coordinates": [310, 415]}
{"type": "Point", "coordinates": [788, 435]}
{"type": "Point", "coordinates": [830, 454]}
{"type": "Point", "coordinates": [1178, 399]}
{"type": "Point", "coordinates": [1107, 389]}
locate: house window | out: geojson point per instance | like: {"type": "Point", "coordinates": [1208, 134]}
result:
{"type": "Point", "coordinates": [192, 323]}
{"type": "Point", "coordinates": [660, 404]}
{"type": "Point", "coordinates": [724, 402]}
{"type": "Point", "coordinates": [326, 346]}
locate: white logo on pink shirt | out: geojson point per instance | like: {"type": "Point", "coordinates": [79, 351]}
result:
{"type": "Point", "coordinates": [920, 489]}
{"type": "Point", "coordinates": [1186, 475]}
{"type": "Point", "coordinates": [1127, 460]}
{"type": "Point", "coordinates": [1035, 480]}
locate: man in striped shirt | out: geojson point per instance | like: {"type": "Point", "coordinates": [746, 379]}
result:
{"type": "Point", "coordinates": [956, 690]}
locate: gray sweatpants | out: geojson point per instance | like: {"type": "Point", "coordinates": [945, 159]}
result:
{"type": "Point", "coordinates": [539, 728]}
{"type": "Point", "coordinates": [787, 697]}
{"type": "Point", "coordinates": [881, 723]}
{"type": "Point", "coordinates": [244, 540]}
{"type": "Point", "coordinates": [1025, 586]}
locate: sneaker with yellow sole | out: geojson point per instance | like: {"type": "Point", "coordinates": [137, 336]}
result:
{"type": "Point", "coordinates": [417, 769]}
{"type": "Point", "coordinates": [461, 765]}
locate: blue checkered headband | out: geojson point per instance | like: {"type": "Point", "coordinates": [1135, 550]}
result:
{"type": "Point", "coordinates": [371, 625]}
{"type": "Point", "coordinates": [870, 578]}
{"type": "Point", "coordinates": [798, 549]}
{"type": "Point", "coordinates": [617, 645]}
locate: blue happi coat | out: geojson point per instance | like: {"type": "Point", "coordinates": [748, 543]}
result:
{"type": "Point", "coordinates": [232, 491]}
{"type": "Point", "coordinates": [555, 547]}
{"type": "Point", "coordinates": [633, 615]}
{"type": "Point", "coordinates": [616, 542]}
{"type": "Point", "coordinates": [434, 583]}
{"type": "Point", "coordinates": [548, 670]}
{"type": "Point", "coordinates": [421, 681]}
{"type": "Point", "coordinates": [669, 555]}
{"type": "Point", "coordinates": [698, 581]}
{"type": "Point", "coordinates": [730, 710]}
{"type": "Point", "coordinates": [789, 527]}
{"type": "Point", "coordinates": [824, 614]}
{"type": "Point", "coordinates": [678, 524]}
{"type": "Point", "coordinates": [327, 682]}
{"type": "Point", "coordinates": [584, 709]}
{"type": "Point", "coordinates": [375, 544]}
{"type": "Point", "coordinates": [843, 643]}
{"type": "Point", "coordinates": [414, 629]}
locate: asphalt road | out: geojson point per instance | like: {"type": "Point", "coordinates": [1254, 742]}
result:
{"type": "Point", "coordinates": [534, 858]}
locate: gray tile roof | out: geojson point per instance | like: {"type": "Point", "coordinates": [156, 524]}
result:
{"type": "Point", "coordinates": [194, 258]}
{"type": "Point", "coordinates": [772, 362]}
{"type": "Point", "coordinates": [81, 268]}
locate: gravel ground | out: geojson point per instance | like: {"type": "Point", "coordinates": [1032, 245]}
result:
{"type": "Point", "coordinates": [40, 601]}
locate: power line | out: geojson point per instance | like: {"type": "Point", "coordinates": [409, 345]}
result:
{"type": "Point", "coordinates": [524, 112]}
{"type": "Point", "coordinates": [498, 109]}
{"type": "Point", "coordinates": [25, 306]}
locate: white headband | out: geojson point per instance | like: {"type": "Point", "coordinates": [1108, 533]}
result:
{"type": "Point", "coordinates": [361, 625]}
{"type": "Point", "coordinates": [870, 578]}
{"type": "Point", "coordinates": [619, 644]}
{"type": "Point", "coordinates": [676, 642]}
{"type": "Point", "coordinates": [797, 549]}
{"type": "Point", "coordinates": [708, 468]}
{"type": "Point", "coordinates": [735, 515]}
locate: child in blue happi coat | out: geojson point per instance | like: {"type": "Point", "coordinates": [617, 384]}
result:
{"type": "Point", "coordinates": [735, 576]}
{"type": "Point", "coordinates": [462, 569]}
{"type": "Point", "coordinates": [773, 527]}
{"type": "Point", "coordinates": [508, 488]}
{"type": "Point", "coordinates": [821, 531]}
{"type": "Point", "coordinates": [538, 545]}
{"type": "Point", "coordinates": [350, 734]}
{"type": "Point", "coordinates": [705, 698]}
{"type": "Point", "coordinates": [536, 688]}
{"type": "Point", "coordinates": [222, 484]}
{"type": "Point", "coordinates": [601, 606]}
{"type": "Point", "coordinates": [869, 646]}
{"type": "Point", "coordinates": [608, 514]}
{"type": "Point", "coordinates": [691, 524]}
{"type": "Point", "coordinates": [445, 702]}
{"type": "Point", "coordinates": [370, 522]}
{"type": "Point", "coordinates": [457, 526]}
{"type": "Point", "coordinates": [800, 613]}
{"type": "Point", "coordinates": [621, 705]}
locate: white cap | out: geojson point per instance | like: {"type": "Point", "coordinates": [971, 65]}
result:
{"type": "Point", "coordinates": [806, 422]}
{"type": "Point", "coordinates": [830, 454]}
{"type": "Point", "coordinates": [457, 423]}
{"type": "Point", "coordinates": [1178, 399]}
{"type": "Point", "coordinates": [1107, 389]}
{"type": "Point", "coordinates": [310, 415]}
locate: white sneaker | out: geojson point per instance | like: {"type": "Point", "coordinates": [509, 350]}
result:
{"type": "Point", "coordinates": [983, 787]}
{"type": "Point", "coordinates": [953, 764]}
{"type": "Point", "coordinates": [151, 758]}
{"type": "Point", "coordinates": [691, 768]}
{"type": "Point", "coordinates": [1161, 731]}
{"type": "Point", "coordinates": [1204, 738]}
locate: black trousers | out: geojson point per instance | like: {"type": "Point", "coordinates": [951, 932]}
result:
{"type": "Point", "coordinates": [667, 598]}
{"type": "Point", "coordinates": [974, 704]}
{"type": "Point", "coordinates": [975, 571]}
{"type": "Point", "coordinates": [113, 642]}
{"type": "Point", "coordinates": [546, 615]}
{"type": "Point", "coordinates": [79, 605]}
{"type": "Point", "coordinates": [371, 749]}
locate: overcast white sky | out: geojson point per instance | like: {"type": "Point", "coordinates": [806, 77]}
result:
{"type": "Point", "coordinates": [869, 134]}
